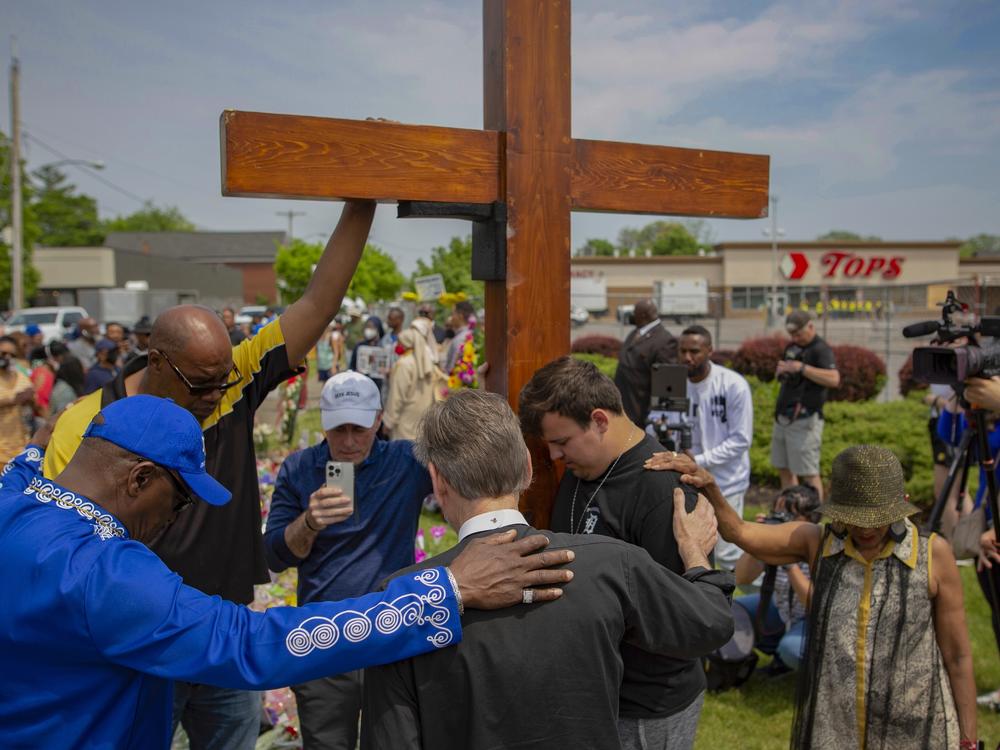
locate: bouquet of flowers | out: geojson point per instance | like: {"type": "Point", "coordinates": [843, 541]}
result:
{"type": "Point", "coordinates": [463, 374]}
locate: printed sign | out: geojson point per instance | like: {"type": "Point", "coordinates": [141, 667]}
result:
{"type": "Point", "coordinates": [374, 361]}
{"type": "Point", "coordinates": [840, 263]}
{"type": "Point", "coordinates": [429, 288]}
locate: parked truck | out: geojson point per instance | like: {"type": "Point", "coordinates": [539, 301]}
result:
{"type": "Point", "coordinates": [129, 305]}
{"type": "Point", "coordinates": [589, 290]}
{"type": "Point", "coordinates": [681, 298]}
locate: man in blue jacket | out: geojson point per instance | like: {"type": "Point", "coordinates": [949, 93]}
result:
{"type": "Point", "coordinates": [344, 545]}
{"type": "Point", "coordinates": [94, 627]}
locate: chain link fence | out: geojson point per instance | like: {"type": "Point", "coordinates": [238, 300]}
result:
{"type": "Point", "coordinates": [869, 316]}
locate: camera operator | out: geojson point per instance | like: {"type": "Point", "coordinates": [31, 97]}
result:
{"type": "Point", "coordinates": [780, 629]}
{"type": "Point", "coordinates": [951, 424]}
{"type": "Point", "coordinates": [721, 418]}
{"type": "Point", "coordinates": [806, 371]}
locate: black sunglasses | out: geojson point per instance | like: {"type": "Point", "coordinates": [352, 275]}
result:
{"type": "Point", "coordinates": [184, 498]}
{"type": "Point", "coordinates": [202, 388]}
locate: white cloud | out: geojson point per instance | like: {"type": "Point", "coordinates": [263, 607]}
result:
{"type": "Point", "coordinates": [630, 71]}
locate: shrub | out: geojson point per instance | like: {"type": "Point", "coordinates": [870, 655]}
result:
{"type": "Point", "coordinates": [862, 373]}
{"type": "Point", "coordinates": [906, 381]}
{"type": "Point", "coordinates": [606, 346]}
{"type": "Point", "coordinates": [607, 365]}
{"type": "Point", "coordinates": [723, 357]}
{"type": "Point", "coordinates": [757, 357]}
{"type": "Point", "coordinates": [900, 426]}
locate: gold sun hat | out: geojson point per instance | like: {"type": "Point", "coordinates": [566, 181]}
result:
{"type": "Point", "coordinates": [867, 488]}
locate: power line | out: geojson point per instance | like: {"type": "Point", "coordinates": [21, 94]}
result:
{"type": "Point", "coordinates": [115, 159]}
{"type": "Point", "coordinates": [100, 178]}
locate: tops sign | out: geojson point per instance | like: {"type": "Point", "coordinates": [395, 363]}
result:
{"type": "Point", "coordinates": [844, 265]}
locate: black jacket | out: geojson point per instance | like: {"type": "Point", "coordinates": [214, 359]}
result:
{"type": "Point", "coordinates": [635, 366]}
{"type": "Point", "coordinates": [547, 675]}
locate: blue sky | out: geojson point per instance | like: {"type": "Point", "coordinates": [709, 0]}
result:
{"type": "Point", "coordinates": [882, 117]}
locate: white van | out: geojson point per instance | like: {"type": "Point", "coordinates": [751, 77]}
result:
{"type": "Point", "coordinates": [55, 322]}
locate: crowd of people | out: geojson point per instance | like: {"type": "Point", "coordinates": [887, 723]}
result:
{"type": "Point", "coordinates": [136, 520]}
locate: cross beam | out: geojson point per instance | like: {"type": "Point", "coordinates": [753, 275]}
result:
{"type": "Point", "coordinates": [524, 159]}
{"type": "Point", "coordinates": [324, 158]}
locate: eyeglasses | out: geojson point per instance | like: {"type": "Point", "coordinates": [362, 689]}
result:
{"type": "Point", "coordinates": [184, 498]}
{"type": "Point", "coordinates": [203, 388]}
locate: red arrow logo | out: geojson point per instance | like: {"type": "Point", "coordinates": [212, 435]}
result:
{"type": "Point", "coordinates": [794, 266]}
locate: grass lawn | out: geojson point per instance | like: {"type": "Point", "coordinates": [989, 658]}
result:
{"type": "Point", "coordinates": [758, 715]}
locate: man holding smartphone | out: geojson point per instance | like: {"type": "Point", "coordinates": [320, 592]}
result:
{"type": "Point", "coordinates": [345, 513]}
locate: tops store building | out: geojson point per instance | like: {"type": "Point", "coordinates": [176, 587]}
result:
{"type": "Point", "coordinates": [839, 278]}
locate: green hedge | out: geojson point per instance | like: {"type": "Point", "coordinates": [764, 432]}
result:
{"type": "Point", "coordinates": [899, 425]}
{"type": "Point", "coordinates": [607, 365]}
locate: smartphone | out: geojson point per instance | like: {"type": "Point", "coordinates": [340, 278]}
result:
{"type": "Point", "coordinates": [340, 474]}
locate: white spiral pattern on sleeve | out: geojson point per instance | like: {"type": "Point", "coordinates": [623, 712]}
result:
{"type": "Point", "coordinates": [319, 632]}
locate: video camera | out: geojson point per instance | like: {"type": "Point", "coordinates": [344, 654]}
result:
{"type": "Point", "coordinates": [949, 365]}
{"type": "Point", "coordinates": [669, 394]}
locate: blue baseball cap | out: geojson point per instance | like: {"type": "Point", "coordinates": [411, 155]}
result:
{"type": "Point", "coordinates": [32, 330]}
{"type": "Point", "coordinates": [105, 345]}
{"type": "Point", "coordinates": [161, 431]}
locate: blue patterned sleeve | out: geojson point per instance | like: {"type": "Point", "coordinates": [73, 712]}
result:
{"type": "Point", "coordinates": [142, 616]}
{"type": "Point", "coordinates": [21, 469]}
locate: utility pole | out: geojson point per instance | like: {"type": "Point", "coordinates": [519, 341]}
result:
{"type": "Point", "coordinates": [291, 215]}
{"type": "Point", "coordinates": [773, 317]}
{"type": "Point", "coordinates": [16, 214]}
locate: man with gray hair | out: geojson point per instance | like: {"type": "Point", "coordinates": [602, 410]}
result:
{"type": "Point", "coordinates": [648, 344]}
{"type": "Point", "coordinates": [546, 676]}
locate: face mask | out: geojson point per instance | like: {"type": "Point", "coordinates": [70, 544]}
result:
{"type": "Point", "coordinates": [4, 361]}
{"type": "Point", "coordinates": [370, 333]}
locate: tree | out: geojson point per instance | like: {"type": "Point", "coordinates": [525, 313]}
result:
{"type": "Point", "coordinates": [981, 244]}
{"type": "Point", "coordinates": [596, 247]}
{"type": "Point", "coordinates": [29, 229]}
{"type": "Point", "coordinates": [669, 238]}
{"type": "Point", "coordinates": [150, 218]}
{"type": "Point", "coordinates": [842, 235]}
{"type": "Point", "coordinates": [65, 219]}
{"type": "Point", "coordinates": [454, 263]}
{"type": "Point", "coordinates": [293, 265]}
{"type": "Point", "coordinates": [377, 277]}
{"type": "Point", "coordinates": [665, 238]}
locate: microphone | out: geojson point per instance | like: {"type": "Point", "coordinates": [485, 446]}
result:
{"type": "Point", "coordinates": [924, 328]}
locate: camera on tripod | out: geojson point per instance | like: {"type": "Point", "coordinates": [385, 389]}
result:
{"type": "Point", "coordinates": [669, 394]}
{"type": "Point", "coordinates": [952, 365]}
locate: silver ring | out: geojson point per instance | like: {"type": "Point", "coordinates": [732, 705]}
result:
{"type": "Point", "coordinates": [527, 596]}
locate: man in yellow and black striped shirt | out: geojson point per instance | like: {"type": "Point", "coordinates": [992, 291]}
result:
{"type": "Point", "coordinates": [219, 550]}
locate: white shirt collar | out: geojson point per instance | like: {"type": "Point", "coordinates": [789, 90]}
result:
{"type": "Point", "coordinates": [649, 327]}
{"type": "Point", "coordinates": [494, 519]}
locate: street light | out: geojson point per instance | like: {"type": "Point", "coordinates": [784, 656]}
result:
{"type": "Point", "coordinates": [97, 165]}
{"type": "Point", "coordinates": [774, 232]}
{"type": "Point", "coordinates": [15, 240]}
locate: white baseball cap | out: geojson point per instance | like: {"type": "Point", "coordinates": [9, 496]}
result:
{"type": "Point", "coordinates": [349, 398]}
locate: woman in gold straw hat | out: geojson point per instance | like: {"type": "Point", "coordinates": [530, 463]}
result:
{"type": "Point", "coordinates": [887, 663]}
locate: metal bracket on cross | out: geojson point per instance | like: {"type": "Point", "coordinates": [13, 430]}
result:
{"type": "Point", "coordinates": [489, 231]}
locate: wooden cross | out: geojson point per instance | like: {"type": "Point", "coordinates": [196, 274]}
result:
{"type": "Point", "coordinates": [524, 159]}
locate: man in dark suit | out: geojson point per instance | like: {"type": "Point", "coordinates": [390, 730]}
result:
{"type": "Point", "coordinates": [648, 344]}
{"type": "Point", "coordinates": [546, 676]}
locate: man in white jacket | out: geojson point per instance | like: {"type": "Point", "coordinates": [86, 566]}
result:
{"type": "Point", "coordinates": [721, 418]}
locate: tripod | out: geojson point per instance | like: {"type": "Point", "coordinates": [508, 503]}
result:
{"type": "Point", "coordinates": [962, 461]}
{"type": "Point", "coordinates": [665, 430]}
